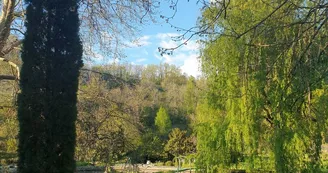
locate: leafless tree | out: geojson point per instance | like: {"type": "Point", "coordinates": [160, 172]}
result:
{"type": "Point", "coordinates": [10, 15]}
{"type": "Point", "coordinates": [105, 26]}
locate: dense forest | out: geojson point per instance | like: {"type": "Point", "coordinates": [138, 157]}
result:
{"type": "Point", "coordinates": [260, 104]}
{"type": "Point", "coordinates": [127, 111]}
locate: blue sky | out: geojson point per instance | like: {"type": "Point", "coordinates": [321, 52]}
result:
{"type": "Point", "coordinates": [153, 35]}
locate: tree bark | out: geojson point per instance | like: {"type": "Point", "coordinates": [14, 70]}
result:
{"type": "Point", "coordinates": [6, 19]}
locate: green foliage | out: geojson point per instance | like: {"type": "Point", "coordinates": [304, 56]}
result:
{"type": "Point", "coordinates": [105, 132]}
{"type": "Point", "coordinates": [116, 119]}
{"type": "Point", "coordinates": [103, 108]}
{"type": "Point", "coordinates": [163, 121]}
{"type": "Point", "coordinates": [8, 132]}
{"type": "Point", "coordinates": [83, 164]}
{"type": "Point", "coordinates": [168, 163]}
{"type": "Point", "coordinates": [52, 57]}
{"type": "Point", "coordinates": [148, 115]}
{"type": "Point", "coordinates": [179, 143]}
{"type": "Point", "coordinates": [190, 97]}
{"type": "Point", "coordinates": [151, 148]}
{"type": "Point", "coordinates": [265, 87]}
{"type": "Point", "coordinates": [212, 146]}
{"type": "Point", "coordinates": [8, 119]}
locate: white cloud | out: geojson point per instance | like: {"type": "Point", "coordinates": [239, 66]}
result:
{"type": "Point", "coordinates": [168, 59]}
{"type": "Point", "coordinates": [157, 56]}
{"type": "Point", "coordinates": [188, 62]}
{"type": "Point", "coordinates": [177, 58]}
{"type": "Point", "coordinates": [191, 66]}
{"type": "Point", "coordinates": [141, 60]}
{"type": "Point", "coordinates": [166, 35]}
{"type": "Point", "coordinates": [191, 46]}
{"type": "Point", "coordinates": [166, 40]}
{"type": "Point", "coordinates": [144, 51]}
{"type": "Point", "coordinates": [98, 56]}
{"type": "Point", "coordinates": [144, 40]}
{"type": "Point", "coordinates": [168, 44]}
{"type": "Point", "coordinates": [185, 57]}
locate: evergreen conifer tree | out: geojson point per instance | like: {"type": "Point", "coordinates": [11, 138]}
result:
{"type": "Point", "coordinates": [163, 121]}
{"type": "Point", "coordinates": [52, 57]}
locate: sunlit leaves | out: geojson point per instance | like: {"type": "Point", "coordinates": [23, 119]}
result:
{"type": "Point", "coordinates": [266, 73]}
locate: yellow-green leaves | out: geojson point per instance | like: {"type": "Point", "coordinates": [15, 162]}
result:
{"type": "Point", "coordinates": [266, 71]}
{"type": "Point", "coordinates": [163, 121]}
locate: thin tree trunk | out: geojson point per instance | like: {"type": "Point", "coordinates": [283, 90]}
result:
{"type": "Point", "coordinates": [6, 19]}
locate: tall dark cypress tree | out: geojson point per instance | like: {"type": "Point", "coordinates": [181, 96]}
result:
{"type": "Point", "coordinates": [52, 57]}
{"type": "Point", "coordinates": [31, 100]}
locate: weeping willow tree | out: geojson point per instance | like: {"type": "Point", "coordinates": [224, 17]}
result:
{"type": "Point", "coordinates": [267, 73]}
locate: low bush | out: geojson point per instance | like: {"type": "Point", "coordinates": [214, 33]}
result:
{"type": "Point", "coordinates": [169, 163]}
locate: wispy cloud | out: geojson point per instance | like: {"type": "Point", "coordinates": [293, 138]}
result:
{"type": "Point", "coordinates": [166, 35]}
{"type": "Point", "coordinates": [99, 56]}
{"type": "Point", "coordinates": [141, 60]}
{"type": "Point", "coordinates": [191, 45]}
{"type": "Point", "coordinates": [157, 56]}
{"type": "Point", "coordinates": [168, 43]}
{"type": "Point", "coordinates": [186, 57]}
{"type": "Point", "coordinates": [144, 51]}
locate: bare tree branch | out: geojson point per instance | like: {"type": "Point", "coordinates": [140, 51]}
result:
{"type": "Point", "coordinates": [113, 78]}
{"type": "Point", "coordinates": [18, 30]}
{"type": "Point", "coordinates": [109, 25]}
{"type": "Point", "coordinates": [7, 77]}
{"type": "Point", "coordinates": [196, 30]}
{"type": "Point", "coordinates": [14, 66]}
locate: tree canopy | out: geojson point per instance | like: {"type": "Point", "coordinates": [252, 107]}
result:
{"type": "Point", "coordinates": [266, 70]}
{"type": "Point", "coordinates": [261, 105]}
{"type": "Point", "coordinates": [163, 121]}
